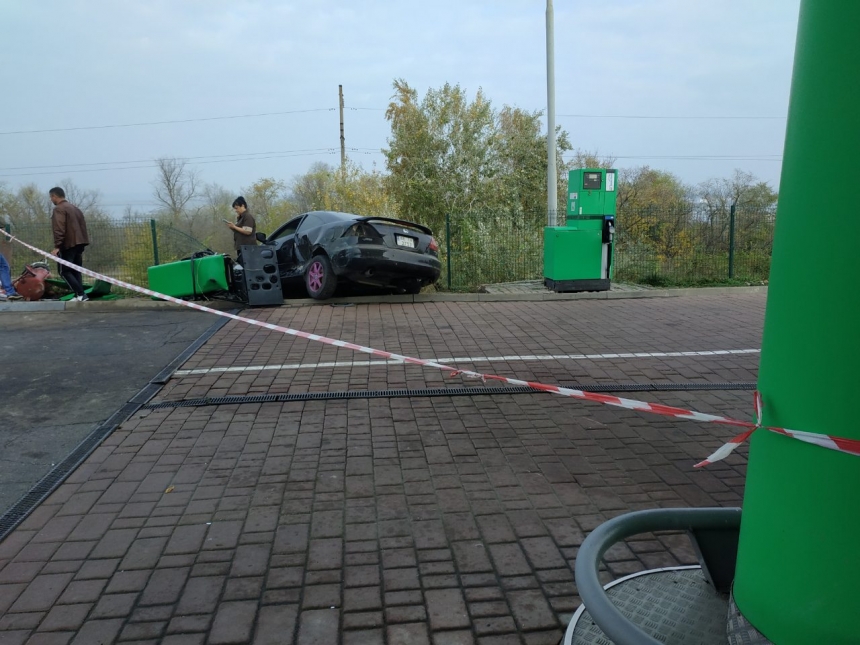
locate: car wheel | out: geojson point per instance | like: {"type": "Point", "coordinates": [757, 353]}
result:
{"type": "Point", "coordinates": [320, 280]}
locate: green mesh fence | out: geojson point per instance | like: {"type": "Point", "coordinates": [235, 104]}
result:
{"type": "Point", "coordinates": [490, 248]}
{"type": "Point", "coordinates": [687, 245]}
{"type": "Point", "coordinates": [690, 245]}
{"type": "Point", "coordinates": [122, 250]}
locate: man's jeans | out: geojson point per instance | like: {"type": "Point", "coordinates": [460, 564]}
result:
{"type": "Point", "coordinates": [6, 277]}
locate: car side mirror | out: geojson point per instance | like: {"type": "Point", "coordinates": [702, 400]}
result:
{"type": "Point", "coordinates": [261, 237]}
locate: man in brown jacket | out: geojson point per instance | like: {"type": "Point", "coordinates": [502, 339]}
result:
{"type": "Point", "coordinates": [70, 238]}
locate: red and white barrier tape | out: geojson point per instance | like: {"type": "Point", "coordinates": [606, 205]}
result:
{"type": "Point", "coordinates": [728, 448]}
{"type": "Point", "coordinates": [851, 446]}
{"type": "Point", "coordinates": [839, 444]}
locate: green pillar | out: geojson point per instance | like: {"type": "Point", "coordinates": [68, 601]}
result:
{"type": "Point", "coordinates": [798, 565]}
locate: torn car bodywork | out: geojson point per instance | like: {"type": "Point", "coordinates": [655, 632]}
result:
{"type": "Point", "coordinates": [378, 251]}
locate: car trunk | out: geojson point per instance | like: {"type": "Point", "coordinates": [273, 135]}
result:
{"type": "Point", "coordinates": [403, 237]}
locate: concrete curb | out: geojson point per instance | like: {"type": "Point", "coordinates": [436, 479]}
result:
{"type": "Point", "coordinates": [107, 306]}
{"type": "Point", "coordinates": [144, 304]}
{"type": "Point", "coordinates": [30, 307]}
{"type": "Point", "coordinates": [599, 295]}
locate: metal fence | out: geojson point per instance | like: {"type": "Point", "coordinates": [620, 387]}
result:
{"type": "Point", "coordinates": [687, 245]}
{"type": "Point", "coordinates": [122, 250]}
{"type": "Point", "coordinates": [489, 248]}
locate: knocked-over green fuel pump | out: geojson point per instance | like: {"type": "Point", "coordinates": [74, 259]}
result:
{"type": "Point", "coordinates": [578, 256]}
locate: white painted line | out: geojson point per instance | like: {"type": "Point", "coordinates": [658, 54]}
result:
{"type": "Point", "coordinates": [465, 359]}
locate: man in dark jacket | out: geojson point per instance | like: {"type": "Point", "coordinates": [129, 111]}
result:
{"type": "Point", "coordinates": [244, 228]}
{"type": "Point", "coordinates": [70, 238]}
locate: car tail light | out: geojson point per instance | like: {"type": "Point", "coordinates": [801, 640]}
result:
{"type": "Point", "coordinates": [434, 246]}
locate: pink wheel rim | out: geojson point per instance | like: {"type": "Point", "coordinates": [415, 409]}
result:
{"type": "Point", "coordinates": [315, 276]}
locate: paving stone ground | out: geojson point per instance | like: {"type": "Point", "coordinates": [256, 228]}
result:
{"type": "Point", "coordinates": [537, 286]}
{"type": "Point", "coordinates": [447, 520]}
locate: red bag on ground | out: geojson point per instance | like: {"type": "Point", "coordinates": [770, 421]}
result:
{"type": "Point", "coordinates": [31, 284]}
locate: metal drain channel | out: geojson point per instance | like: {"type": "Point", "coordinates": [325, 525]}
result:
{"type": "Point", "coordinates": [49, 483]}
{"type": "Point", "coordinates": [441, 391]}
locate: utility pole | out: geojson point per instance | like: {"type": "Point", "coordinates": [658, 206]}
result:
{"type": "Point", "coordinates": [342, 138]}
{"type": "Point", "coordinates": [551, 172]}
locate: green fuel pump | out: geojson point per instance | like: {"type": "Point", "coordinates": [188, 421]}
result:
{"type": "Point", "coordinates": [578, 256]}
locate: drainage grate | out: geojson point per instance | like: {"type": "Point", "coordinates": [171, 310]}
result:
{"type": "Point", "coordinates": [57, 475]}
{"type": "Point", "coordinates": [441, 391]}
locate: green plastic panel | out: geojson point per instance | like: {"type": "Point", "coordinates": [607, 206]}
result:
{"type": "Point", "coordinates": [189, 277]}
{"type": "Point", "coordinates": [590, 191]}
{"type": "Point", "coordinates": [571, 254]}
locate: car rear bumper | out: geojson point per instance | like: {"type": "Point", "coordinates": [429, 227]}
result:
{"type": "Point", "coordinates": [385, 266]}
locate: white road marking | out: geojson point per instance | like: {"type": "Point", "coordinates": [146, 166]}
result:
{"type": "Point", "coordinates": [466, 359]}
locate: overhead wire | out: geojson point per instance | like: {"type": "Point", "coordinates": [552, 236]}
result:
{"type": "Point", "coordinates": [146, 123]}
{"type": "Point", "coordinates": [206, 159]}
{"type": "Point", "coordinates": [323, 151]}
{"type": "Point", "coordinates": [645, 116]}
{"type": "Point", "coordinates": [107, 163]}
{"type": "Point", "coordinates": [704, 157]}
{"type": "Point", "coordinates": [760, 157]}
{"type": "Point", "coordinates": [369, 109]}
{"type": "Point", "coordinates": [624, 116]}
{"type": "Point", "coordinates": [283, 154]}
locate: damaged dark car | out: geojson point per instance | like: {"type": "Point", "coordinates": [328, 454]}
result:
{"type": "Point", "coordinates": [325, 249]}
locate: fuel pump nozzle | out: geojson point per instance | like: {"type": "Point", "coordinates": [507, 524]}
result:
{"type": "Point", "coordinates": [608, 228]}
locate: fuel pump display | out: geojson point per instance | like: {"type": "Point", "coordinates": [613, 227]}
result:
{"type": "Point", "coordinates": [578, 256]}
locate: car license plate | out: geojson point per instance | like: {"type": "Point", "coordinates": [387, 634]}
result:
{"type": "Point", "coordinates": [403, 240]}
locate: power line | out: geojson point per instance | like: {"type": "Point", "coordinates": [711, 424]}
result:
{"type": "Point", "coordinates": [369, 109]}
{"type": "Point", "coordinates": [282, 154]}
{"type": "Point", "coordinates": [327, 151]}
{"type": "Point", "coordinates": [642, 116]}
{"type": "Point", "coordinates": [107, 163]}
{"type": "Point", "coordinates": [145, 123]}
{"type": "Point", "coordinates": [761, 157]}
{"type": "Point", "coordinates": [704, 157]}
{"type": "Point", "coordinates": [130, 203]}
{"type": "Point", "coordinates": [625, 116]}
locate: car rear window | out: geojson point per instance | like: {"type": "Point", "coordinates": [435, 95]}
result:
{"type": "Point", "coordinates": [337, 217]}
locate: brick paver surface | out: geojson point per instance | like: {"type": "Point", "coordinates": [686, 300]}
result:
{"type": "Point", "coordinates": [411, 520]}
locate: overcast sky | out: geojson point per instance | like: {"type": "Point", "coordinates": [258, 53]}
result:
{"type": "Point", "coordinates": [75, 65]}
